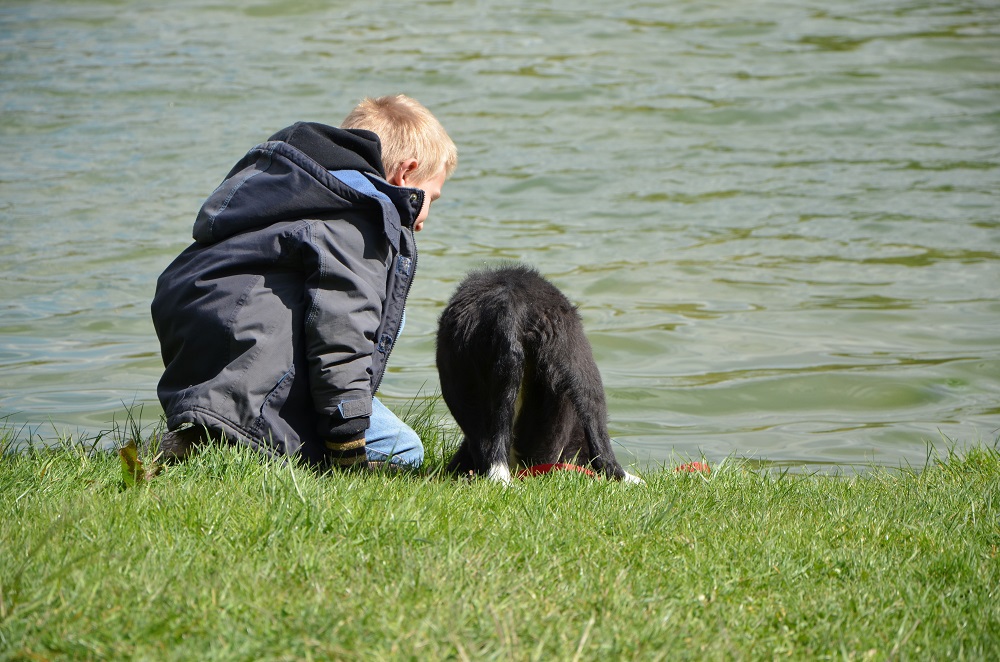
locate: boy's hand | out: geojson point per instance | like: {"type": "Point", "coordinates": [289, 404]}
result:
{"type": "Point", "coordinates": [348, 454]}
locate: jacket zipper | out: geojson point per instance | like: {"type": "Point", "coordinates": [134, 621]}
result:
{"type": "Point", "coordinates": [406, 295]}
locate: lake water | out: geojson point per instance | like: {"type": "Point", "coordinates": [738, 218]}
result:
{"type": "Point", "coordinates": [780, 220]}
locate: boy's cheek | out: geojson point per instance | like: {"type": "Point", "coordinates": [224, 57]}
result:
{"type": "Point", "coordinates": [418, 224]}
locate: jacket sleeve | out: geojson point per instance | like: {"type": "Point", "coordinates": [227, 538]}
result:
{"type": "Point", "coordinates": [346, 262]}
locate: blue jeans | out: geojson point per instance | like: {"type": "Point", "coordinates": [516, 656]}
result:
{"type": "Point", "coordinates": [390, 439]}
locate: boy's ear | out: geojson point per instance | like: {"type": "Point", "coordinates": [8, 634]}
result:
{"type": "Point", "coordinates": [403, 172]}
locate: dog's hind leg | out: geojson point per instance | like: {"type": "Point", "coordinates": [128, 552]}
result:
{"type": "Point", "coordinates": [485, 412]}
{"type": "Point", "coordinates": [569, 367]}
{"type": "Point", "coordinates": [507, 368]}
{"type": "Point", "coordinates": [480, 366]}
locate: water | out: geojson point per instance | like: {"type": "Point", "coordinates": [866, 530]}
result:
{"type": "Point", "coordinates": [780, 220]}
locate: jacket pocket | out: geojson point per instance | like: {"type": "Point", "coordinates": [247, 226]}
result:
{"type": "Point", "coordinates": [268, 422]}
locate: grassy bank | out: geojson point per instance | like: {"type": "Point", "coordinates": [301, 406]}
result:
{"type": "Point", "coordinates": [230, 557]}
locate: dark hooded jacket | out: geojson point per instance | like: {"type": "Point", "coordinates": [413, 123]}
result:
{"type": "Point", "coordinates": [276, 324]}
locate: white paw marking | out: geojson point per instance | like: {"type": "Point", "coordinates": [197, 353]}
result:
{"type": "Point", "coordinates": [629, 478]}
{"type": "Point", "coordinates": [500, 473]}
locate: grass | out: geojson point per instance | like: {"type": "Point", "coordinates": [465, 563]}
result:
{"type": "Point", "coordinates": [231, 557]}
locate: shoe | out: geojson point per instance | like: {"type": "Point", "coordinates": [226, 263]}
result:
{"type": "Point", "coordinates": [177, 445]}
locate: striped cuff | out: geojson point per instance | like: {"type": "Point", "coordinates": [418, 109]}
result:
{"type": "Point", "coordinates": [347, 454]}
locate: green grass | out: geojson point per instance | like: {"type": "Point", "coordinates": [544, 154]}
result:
{"type": "Point", "coordinates": [230, 557]}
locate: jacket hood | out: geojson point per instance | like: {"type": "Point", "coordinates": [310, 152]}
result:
{"type": "Point", "coordinates": [335, 149]}
{"type": "Point", "coordinates": [288, 178]}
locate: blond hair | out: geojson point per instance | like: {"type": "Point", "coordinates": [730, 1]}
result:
{"type": "Point", "coordinates": [407, 130]}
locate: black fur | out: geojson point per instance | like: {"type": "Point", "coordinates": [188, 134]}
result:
{"type": "Point", "coordinates": [508, 331]}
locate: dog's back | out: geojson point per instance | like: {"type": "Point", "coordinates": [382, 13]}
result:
{"type": "Point", "coordinates": [508, 332]}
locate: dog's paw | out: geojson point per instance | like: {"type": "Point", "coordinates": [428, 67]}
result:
{"type": "Point", "coordinates": [500, 473]}
{"type": "Point", "coordinates": [629, 478]}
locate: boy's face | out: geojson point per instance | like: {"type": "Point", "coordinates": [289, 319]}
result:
{"type": "Point", "coordinates": [431, 187]}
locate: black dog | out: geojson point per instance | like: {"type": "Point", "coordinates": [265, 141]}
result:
{"type": "Point", "coordinates": [509, 337]}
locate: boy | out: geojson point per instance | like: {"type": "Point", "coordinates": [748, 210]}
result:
{"type": "Point", "coordinates": [276, 324]}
